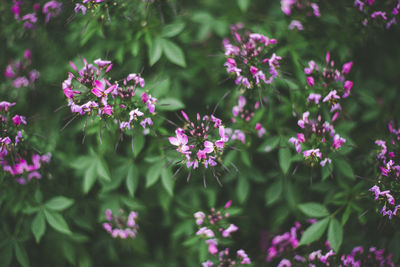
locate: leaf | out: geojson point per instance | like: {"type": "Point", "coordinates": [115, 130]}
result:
{"type": "Point", "coordinates": [173, 29]}
{"type": "Point", "coordinates": [6, 254]}
{"type": "Point", "coordinates": [38, 226]}
{"type": "Point", "coordinates": [132, 180]}
{"type": "Point", "coordinates": [344, 168]}
{"type": "Point", "coordinates": [173, 53]}
{"type": "Point", "coordinates": [89, 178]}
{"type": "Point", "coordinates": [59, 203]}
{"type": "Point", "coordinates": [21, 255]}
{"type": "Point", "coordinates": [155, 51]}
{"type": "Point", "coordinates": [138, 144]}
{"type": "Point", "coordinates": [314, 231]}
{"type": "Point", "coordinates": [153, 174]}
{"type": "Point", "coordinates": [167, 181]}
{"type": "Point", "coordinates": [242, 189]}
{"type": "Point", "coordinates": [335, 234]}
{"type": "Point", "coordinates": [273, 192]}
{"type": "Point", "coordinates": [102, 170]}
{"type": "Point", "coordinates": [346, 215]}
{"type": "Point", "coordinates": [284, 159]}
{"type": "Point", "coordinates": [314, 210]}
{"type": "Point", "coordinates": [243, 5]}
{"type": "Point", "coordinates": [57, 222]}
{"type": "Point", "coordinates": [170, 104]}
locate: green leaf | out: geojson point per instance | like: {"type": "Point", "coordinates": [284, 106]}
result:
{"type": "Point", "coordinates": [314, 210]}
{"type": "Point", "coordinates": [269, 144]}
{"type": "Point", "coordinates": [243, 5]}
{"type": "Point", "coordinates": [38, 226]}
{"type": "Point", "coordinates": [59, 203]}
{"type": "Point", "coordinates": [335, 234]}
{"type": "Point", "coordinates": [344, 168]}
{"type": "Point", "coordinates": [56, 221]}
{"type": "Point", "coordinates": [273, 192]}
{"type": "Point", "coordinates": [167, 181]}
{"type": "Point", "coordinates": [6, 255]}
{"type": "Point", "coordinates": [153, 174]}
{"type": "Point", "coordinates": [173, 53]}
{"type": "Point", "coordinates": [314, 231]}
{"type": "Point", "coordinates": [155, 51]}
{"type": "Point", "coordinates": [242, 189]}
{"type": "Point", "coordinates": [21, 255]}
{"type": "Point", "coordinates": [102, 170]}
{"type": "Point", "coordinates": [170, 104]}
{"type": "Point", "coordinates": [284, 159]}
{"type": "Point", "coordinates": [132, 180]}
{"type": "Point", "coordinates": [89, 178]}
{"type": "Point", "coordinates": [173, 29]}
{"type": "Point", "coordinates": [346, 215]}
{"type": "Point", "coordinates": [138, 144]}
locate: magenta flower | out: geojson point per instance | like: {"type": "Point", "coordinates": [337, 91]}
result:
{"type": "Point", "coordinates": [295, 24]}
{"type": "Point", "coordinates": [231, 228]}
{"type": "Point", "coordinates": [347, 67]}
{"type": "Point", "coordinates": [331, 96]}
{"type": "Point", "coordinates": [180, 141]}
{"type": "Point", "coordinates": [314, 97]}
{"type": "Point", "coordinates": [51, 9]}
{"type": "Point", "coordinates": [100, 90]}
{"type": "Point", "coordinates": [18, 120]}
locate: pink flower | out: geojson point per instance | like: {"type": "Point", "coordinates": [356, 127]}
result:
{"type": "Point", "coordinates": [204, 231]}
{"type": "Point", "coordinates": [199, 217]}
{"type": "Point", "coordinates": [208, 264]}
{"type": "Point", "coordinates": [51, 9]}
{"type": "Point", "coordinates": [260, 130]}
{"type": "Point", "coordinates": [212, 246]}
{"type": "Point", "coordinates": [304, 120]}
{"type": "Point", "coordinates": [312, 152]}
{"type": "Point", "coordinates": [331, 96]}
{"type": "Point", "coordinates": [347, 67]}
{"type": "Point", "coordinates": [100, 90]}
{"type": "Point", "coordinates": [296, 24]}
{"type": "Point", "coordinates": [315, 97]}
{"type": "Point", "coordinates": [310, 81]}
{"type": "Point", "coordinates": [338, 141]}
{"type": "Point", "coordinates": [180, 141]}
{"type": "Point", "coordinates": [347, 88]}
{"type": "Point", "coordinates": [220, 143]}
{"type": "Point", "coordinates": [18, 120]}
{"type": "Point", "coordinates": [231, 228]}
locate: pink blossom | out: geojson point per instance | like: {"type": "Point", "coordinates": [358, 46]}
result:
{"type": "Point", "coordinates": [315, 97]}
{"type": "Point", "coordinates": [310, 81]}
{"type": "Point", "coordinates": [347, 67]}
{"type": "Point", "coordinates": [231, 228]}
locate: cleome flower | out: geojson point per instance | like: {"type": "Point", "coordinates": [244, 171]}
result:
{"type": "Point", "coordinates": [120, 225]}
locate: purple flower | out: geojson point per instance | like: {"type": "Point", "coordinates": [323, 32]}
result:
{"type": "Point", "coordinates": [51, 9]}
{"type": "Point", "coordinates": [231, 228]}
{"type": "Point", "coordinates": [315, 97]}
{"type": "Point", "coordinates": [347, 67]}
{"type": "Point", "coordinates": [18, 120]}
{"type": "Point", "coordinates": [296, 24]}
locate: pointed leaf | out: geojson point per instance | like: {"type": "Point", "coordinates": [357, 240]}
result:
{"type": "Point", "coordinates": [138, 144]}
{"type": "Point", "coordinates": [173, 53]}
{"type": "Point", "coordinates": [89, 178]}
{"type": "Point", "coordinates": [153, 174]}
{"type": "Point", "coordinates": [155, 51]}
{"type": "Point", "coordinates": [102, 170]}
{"type": "Point", "coordinates": [284, 159]}
{"type": "Point", "coordinates": [57, 222]}
{"type": "Point", "coordinates": [335, 234]}
{"type": "Point", "coordinates": [314, 210]}
{"type": "Point", "coordinates": [314, 231]}
{"type": "Point", "coordinates": [173, 29]}
{"type": "Point", "coordinates": [38, 226]}
{"type": "Point", "coordinates": [170, 104]}
{"type": "Point", "coordinates": [21, 255]}
{"type": "Point", "coordinates": [132, 180]}
{"type": "Point", "coordinates": [243, 5]}
{"type": "Point", "coordinates": [242, 189]}
{"type": "Point", "coordinates": [167, 181]}
{"type": "Point", "coordinates": [59, 203]}
{"type": "Point", "coordinates": [273, 192]}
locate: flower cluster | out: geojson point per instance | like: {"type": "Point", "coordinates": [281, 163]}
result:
{"type": "Point", "coordinates": [242, 121]}
{"type": "Point", "coordinates": [89, 92]}
{"type": "Point", "coordinates": [303, 7]}
{"type": "Point", "coordinates": [318, 137]}
{"type": "Point", "coordinates": [50, 9]}
{"type": "Point", "coordinates": [15, 159]}
{"type": "Point", "coordinates": [381, 12]}
{"type": "Point", "coordinates": [249, 59]}
{"type": "Point", "coordinates": [389, 178]}
{"type": "Point", "coordinates": [283, 250]}
{"type": "Point", "coordinates": [120, 225]}
{"type": "Point", "coordinates": [20, 73]}
{"type": "Point", "coordinates": [201, 142]}
{"type": "Point", "coordinates": [85, 5]}
{"type": "Point", "coordinates": [283, 243]}
{"type": "Point", "coordinates": [214, 228]}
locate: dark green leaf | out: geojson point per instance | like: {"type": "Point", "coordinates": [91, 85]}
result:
{"type": "Point", "coordinates": [173, 53]}
{"type": "Point", "coordinates": [173, 29]}
{"type": "Point", "coordinates": [132, 180]}
{"type": "Point", "coordinates": [167, 181]}
{"type": "Point", "coordinates": [153, 173]}
{"type": "Point", "coordinates": [285, 159]}
{"type": "Point", "coordinates": [314, 210]}
{"type": "Point", "coordinates": [314, 232]}
{"type": "Point", "coordinates": [155, 51]}
{"type": "Point", "coordinates": [273, 192]}
{"type": "Point", "coordinates": [89, 178]}
{"type": "Point", "coordinates": [335, 234]}
{"type": "Point", "coordinates": [38, 226]}
{"type": "Point", "coordinates": [170, 104]}
{"type": "Point", "coordinates": [21, 255]}
{"type": "Point", "coordinates": [59, 203]}
{"type": "Point", "coordinates": [242, 189]}
{"type": "Point", "coordinates": [57, 222]}
{"type": "Point", "coordinates": [243, 5]}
